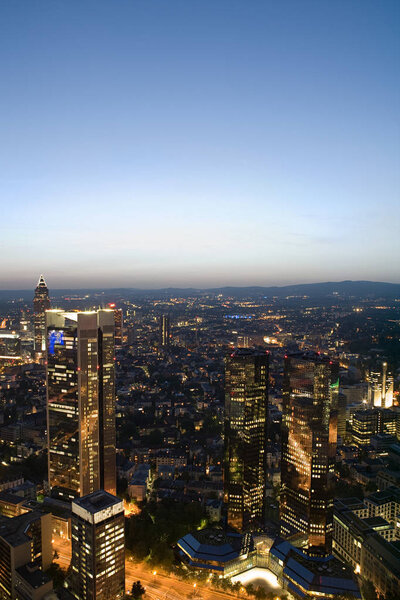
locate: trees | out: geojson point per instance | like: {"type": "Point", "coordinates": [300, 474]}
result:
{"type": "Point", "coordinates": [57, 574]}
{"type": "Point", "coordinates": [151, 534]}
{"type": "Point", "coordinates": [250, 589]}
{"type": "Point", "coordinates": [137, 590]}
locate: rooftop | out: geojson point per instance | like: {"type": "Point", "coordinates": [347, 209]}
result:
{"type": "Point", "coordinates": [13, 530]}
{"type": "Point", "coordinates": [391, 493]}
{"type": "Point", "coordinates": [34, 576]}
{"type": "Point", "coordinates": [8, 496]}
{"type": "Point", "coordinates": [211, 545]}
{"type": "Point", "coordinates": [96, 501]}
{"type": "Point", "coordinates": [321, 575]}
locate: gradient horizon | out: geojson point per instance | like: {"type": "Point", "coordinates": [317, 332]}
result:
{"type": "Point", "coordinates": [188, 144]}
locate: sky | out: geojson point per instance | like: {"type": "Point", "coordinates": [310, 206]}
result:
{"type": "Point", "coordinates": [153, 143]}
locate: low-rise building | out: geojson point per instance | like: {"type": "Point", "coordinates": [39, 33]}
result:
{"type": "Point", "coordinates": [215, 551]}
{"type": "Point", "coordinates": [11, 505]}
{"type": "Point", "coordinates": [31, 583]}
{"type": "Point", "coordinates": [309, 577]}
{"type": "Point", "coordinates": [369, 545]}
{"type": "Point", "coordinates": [139, 484]}
{"type": "Point", "coordinates": [387, 478]}
{"type": "Point", "coordinates": [23, 539]}
{"type": "Point", "coordinates": [384, 504]}
{"type": "Point", "coordinates": [214, 510]}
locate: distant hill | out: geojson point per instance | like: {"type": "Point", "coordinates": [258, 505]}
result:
{"type": "Point", "coordinates": [358, 289]}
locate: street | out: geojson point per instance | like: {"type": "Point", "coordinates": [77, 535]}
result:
{"type": "Point", "coordinates": [158, 586]}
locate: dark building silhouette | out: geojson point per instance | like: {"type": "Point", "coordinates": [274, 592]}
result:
{"type": "Point", "coordinates": [309, 436]}
{"type": "Point", "coordinates": [119, 324]}
{"type": "Point", "coordinates": [81, 402]}
{"type": "Point", "coordinates": [98, 547]}
{"type": "Point", "coordinates": [41, 303]}
{"type": "Point", "coordinates": [119, 327]}
{"type": "Point", "coordinates": [246, 400]}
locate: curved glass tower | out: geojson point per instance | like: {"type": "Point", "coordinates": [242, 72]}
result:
{"type": "Point", "coordinates": [309, 436]}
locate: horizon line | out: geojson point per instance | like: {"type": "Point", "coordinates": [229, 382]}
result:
{"type": "Point", "coordinates": [215, 287]}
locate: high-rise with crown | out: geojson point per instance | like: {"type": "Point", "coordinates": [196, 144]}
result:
{"type": "Point", "coordinates": [41, 303]}
{"type": "Point", "coordinates": [309, 436]}
{"type": "Point", "coordinates": [245, 430]}
{"type": "Point", "coordinates": [81, 402]}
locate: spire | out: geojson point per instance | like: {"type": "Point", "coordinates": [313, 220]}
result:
{"type": "Point", "coordinates": [41, 282]}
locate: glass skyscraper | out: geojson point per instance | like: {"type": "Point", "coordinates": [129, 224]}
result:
{"type": "Point", "coordinates": [309, 437]}
{"type": "Point", "coordinates": [41, 303]}
{"type": "Point", "coordinates": [81, 402]}
{"type": "Point", "coordinates": [246, 401]}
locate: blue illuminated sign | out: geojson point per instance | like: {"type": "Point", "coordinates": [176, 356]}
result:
{"type": "Point", "coordinates": [55, 337]}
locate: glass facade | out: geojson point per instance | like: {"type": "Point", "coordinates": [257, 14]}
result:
{"type": "Point", "coordinates": [81, 402]}
{"type": "Point", "coordinates": [309, 437]}
{"type": "Point", "coordinates": [246, 400]}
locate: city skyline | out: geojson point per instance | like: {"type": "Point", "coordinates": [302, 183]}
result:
{"type": "Point", "coordinates": [231, 144]}
{"type": "Point", "coordinates": [200, 300]}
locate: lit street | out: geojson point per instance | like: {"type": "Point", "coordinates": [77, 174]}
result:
{"type": "Point", "coordinates": [158, 587]}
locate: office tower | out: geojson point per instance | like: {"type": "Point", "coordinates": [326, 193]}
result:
{"type": "Point", "coordinates": [368, 422]}
{"type": "Point", "coordinates": [246, 400]}
{"type": "Point", "coordinates": [10, 347]}
{"type": "Point", "coordinates": [81, 402]}
{"type": "Point", "coordinates": [41, 303]}
{"type": "Point", "coordinates": [309, 434]}
{"type": "Point", "coordinates": [98, 547]}
{"type": "Point", "coordinates": [243, 341]}
{"type": "Point", "coordinates": [165, 334]}
{"type": "Point", "coordinates": [364, 426]}
{"type": "Point", "coordinates": [119, 324]}
{"type": "Point", "coordinates": [380, 389]}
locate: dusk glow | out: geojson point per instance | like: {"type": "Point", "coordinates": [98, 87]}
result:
{"type": "Point", "coordinates": [151, 144]}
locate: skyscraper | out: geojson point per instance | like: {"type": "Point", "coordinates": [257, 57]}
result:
{"type": "Point", "coordinates": [165, 333]}
{"type": "Point", "coordinates": [380, 388]}
{"type": "Point", "coordinates": [41, 303]}
{"type": "Point", "coordinates": [81, 402]}
{"type": "Point", "coordinates": [309, 435]}
{"type": "Point", "coordinates": [98, 547]}
{"type": "Point", "coordinates": [119, 327]}
{"type": "Point", "coordinates": [246, 400]}
{"type": "Point", "coordinates": [119, 324]}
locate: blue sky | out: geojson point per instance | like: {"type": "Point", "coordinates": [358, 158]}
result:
{"type": "Point", "coordinates": [213, 142]}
